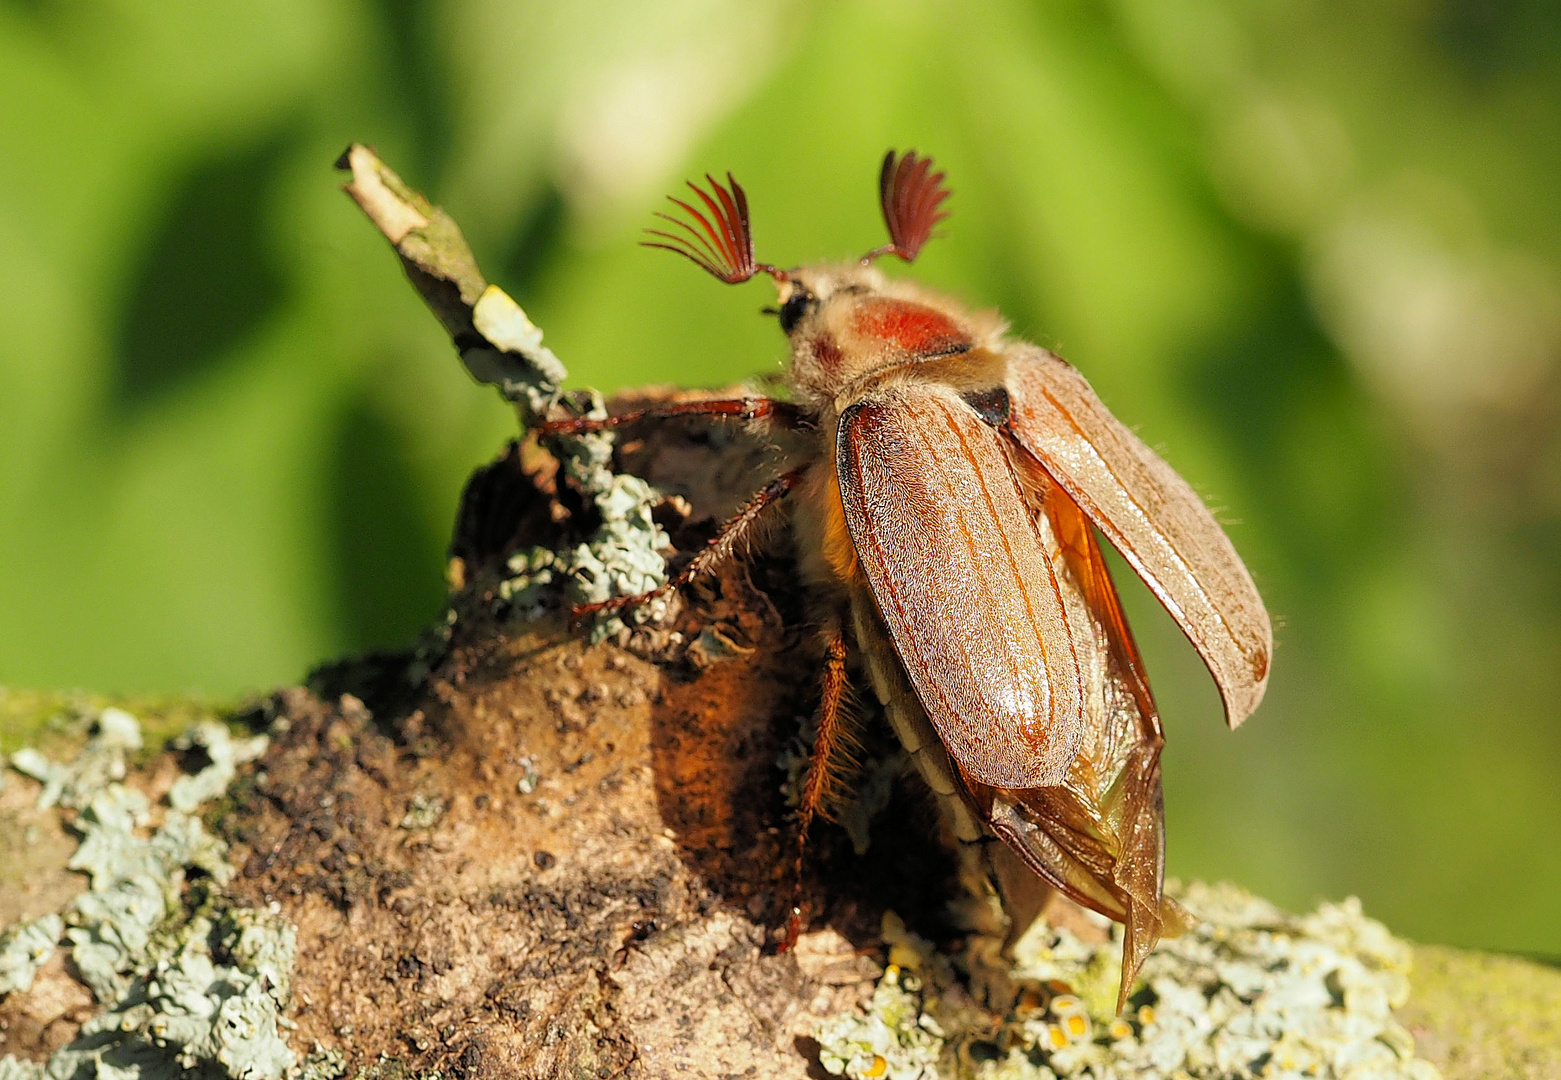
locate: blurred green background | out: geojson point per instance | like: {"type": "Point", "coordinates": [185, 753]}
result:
{"type": "Point", "coordinates": [1311, 250]}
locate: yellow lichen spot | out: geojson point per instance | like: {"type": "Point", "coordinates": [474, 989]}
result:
{"type": "Point", "coordinates": [1057, 986]}
{"type": "Point", "coordinates": [1055, 1038]}
{"type": "Point", "coordinates": [1146, 1014]}
{"type": "Point", "coordinates": [1120, 1029]}
{"type": "Point", "coordinates": [879, 1066]}
{"type": "Point", "coordinates": [892, 973]}
{"type": "Point", "coordinates": [1066, 1005]}
{"type": "Point", "coordinates": [1076, 1025]}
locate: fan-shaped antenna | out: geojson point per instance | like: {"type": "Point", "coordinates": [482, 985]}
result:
{"type": "Point", "coordinates": [722, 242]}
{"type": "Point", "coordinates": [912, 196]}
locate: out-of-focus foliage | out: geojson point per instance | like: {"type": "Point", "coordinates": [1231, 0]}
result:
{"type": "Point", "coordinates": [1312, 251]}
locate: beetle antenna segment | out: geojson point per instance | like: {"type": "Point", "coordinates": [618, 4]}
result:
{"type": "Point", "coordinates": [722, 245]}
{"type": "Point", "coordinates": [911, 195]}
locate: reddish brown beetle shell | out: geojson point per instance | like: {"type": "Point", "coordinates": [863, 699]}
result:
{"type": "Point", "coordinates": [947, 523]}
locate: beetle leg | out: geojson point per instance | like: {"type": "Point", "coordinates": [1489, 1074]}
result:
{"type": "Point", "coordinates": [782, 413]}
{"type": "Point", "coordinates": [832, 737]}
{"type": "Point", "coordinates": [714, 554]}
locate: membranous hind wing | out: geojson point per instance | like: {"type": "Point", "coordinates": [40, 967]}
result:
{"type": "Point", "coordinates": [1150, 515]}
{"type": "Point", "coordinates": [994, 591]}
{"type": "Point", "coordinates": [1099, 836]}
{"type": "Point", "coordinates": [967, 592]}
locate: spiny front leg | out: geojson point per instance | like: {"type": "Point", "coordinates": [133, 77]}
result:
{"type": "Point", "coordinates": [714, 554]}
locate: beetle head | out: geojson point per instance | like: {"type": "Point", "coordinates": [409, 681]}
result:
{"type": "Point", "coordinates": [844, 322]}
{"type": "Point", "coordinates": [849, 322]}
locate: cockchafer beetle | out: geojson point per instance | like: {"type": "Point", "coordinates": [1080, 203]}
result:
{"type": "Point", "coordinates": [946, 522]}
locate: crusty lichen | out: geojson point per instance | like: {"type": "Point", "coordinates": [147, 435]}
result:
{"type": "Point", "coordinates": [501, 346]}
{"type": "Point", "coordinates": [136, 884]}
{"type": "Point", "coordinates": [423, 811]}
{"type": "Point", "coordinates": [210, 1003]}
{"type": "Point", "coordinates": [73, 783]}
{"type": "Point", "coordinates": [188, 982]}
{"type": "Point", "coordinates": [1250, 992]}
{"type": "Point", "coordinates": [894, 1037]}
{"type": "Point", "coordinates": [224, 755]}
{"type": "Point", "coordinates": [26, 947]}
{"type": "Point", "coordinates": [623, 557]}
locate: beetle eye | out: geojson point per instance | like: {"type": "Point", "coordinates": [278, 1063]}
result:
{"type": "Point", "coordinates": [796, 306]}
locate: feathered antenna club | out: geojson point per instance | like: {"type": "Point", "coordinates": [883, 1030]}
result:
{"type": "Point", "coordinates": [722, 243]}
{"type": "Point", "coordinates": [912, 196]}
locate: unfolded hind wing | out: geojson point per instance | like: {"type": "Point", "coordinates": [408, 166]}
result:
{"type": "Point", "coordinates": [1099, 836]}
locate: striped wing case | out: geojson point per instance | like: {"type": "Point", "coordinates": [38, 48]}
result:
{"type": "Point", "coordinates": [1151, 516]}
{"type": "Point", "coordinates": [967, 592]}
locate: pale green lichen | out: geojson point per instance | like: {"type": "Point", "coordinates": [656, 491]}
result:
{"type": "Point", "coordinates": [224, 754]}
{"type": "Point", "coordinates": [321, 1063]}
{"type": "Point", "coordinates": [14, 1069]}
{"type": "Point", "coordinates": [187, 992]}
{"type": "Point", "coordinates": [623, 557]}
{"type": "Point", "coordinates": [26, 947]}
{"type": "Point", "coordinates": [210, 1004]}
{"type": "Point", "coordinates": [502, 347]}
{"type": "Point", "coordinates": [72, 784]}
{"type": "Point", "coordinates": [529, 777]}
{"type": "Point", "coordinates": [868, 797]}
{"type": "Point", "coordinates": [893, 1038]}
{"type": "Point", "coordinates": [714, 646]}
{"type": "Point", "coordinates": [423, 811]}
{"type": "Point", "coordinates": [1249, 992]}
{"type": "Point", "coordinates": [904, 1032]}
{"type": "Point", "coordinates": [136, 884]}
{"type": "Point", "coordinates": [525, 371]}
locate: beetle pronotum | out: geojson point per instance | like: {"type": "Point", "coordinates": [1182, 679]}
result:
{"type": "Point", "coordinates": [947, 527]}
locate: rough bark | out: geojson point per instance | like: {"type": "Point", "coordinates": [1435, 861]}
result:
{"type": "Point", "coordinates": [544, 858]}
{"type": "Point", "coordinates": [512, 852]}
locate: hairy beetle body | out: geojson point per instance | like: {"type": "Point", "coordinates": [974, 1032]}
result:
{"type": "Point", "coordinates": [946, 519]}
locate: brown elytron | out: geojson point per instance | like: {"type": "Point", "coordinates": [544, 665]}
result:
{"type": "Point", "coordinates": [946, 521]}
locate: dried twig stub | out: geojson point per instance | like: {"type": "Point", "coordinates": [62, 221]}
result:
{"type": "Point", "coordinates": [502, 347]}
